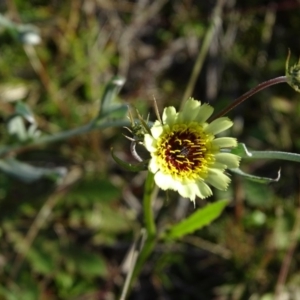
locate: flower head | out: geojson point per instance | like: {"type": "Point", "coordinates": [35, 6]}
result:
{"type": "Point", "coordinates": [185, 154]}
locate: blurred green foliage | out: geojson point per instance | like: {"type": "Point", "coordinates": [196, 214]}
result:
{"type": "Point", "coordinates": [67, 237]}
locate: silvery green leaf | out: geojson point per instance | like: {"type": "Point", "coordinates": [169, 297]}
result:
{"type": "Point", "coordinates": [25, 33]}
{"type": "Point", "coordinates": [33, 132]}
{"type": "Point", "coordinates": [254, 178]}
{"type": "Point", "coordinates": [28, 173]}
{"type": "Point", "coordinates": [24, 111]}
{"type": "Point", "coordinates": [16, 127]}
{"type": "Point", "coordinates": [243, 152]}
{"type": "Point", "coordinates": [142, 166]}
{"type": "Point", "coordinates": [107, 101]}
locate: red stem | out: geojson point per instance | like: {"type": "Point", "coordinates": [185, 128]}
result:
{"type": "Point", "coordinates": [250, 93]}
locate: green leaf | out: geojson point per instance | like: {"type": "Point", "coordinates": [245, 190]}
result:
{"type": "Point", "coordinates": [40, 261]}
{"type": "Point", "coordinates": [258, 195]}
{"type": "Point", "coordinates": [254, 178]}
{"type": "Point", "coordinates": [197, 220]}
{"type": "Point", "coordinates": [108, 220]}
{"type": "Point", "coordinates": [243, 152]}
{"type": "Point", "coordinates": [64, 280]}
{"type": "Point", "coordinates": [92, 190]}
{"type": "Point", "coordinates": [101, 218]}
{"type": "Point", "coordinates": [25, 289]}
{"type": "Point", "coordinates": [28, 173]}
{"type": "Point", "coordinates": [111, 90]}
{"type": "Point", "coordinates": [86, 263]}
{"type": "Point", "coordinates": [280, 238]}
{"type": "Point", "coordinates": [24, 33]}
{"type": "Point", "coordinates": [16, 128]}
{"type": "Point", "coordinates": [115, 112]}
{"type": "Point", "coordinates": [24, 111]}
{"type": "Point", "coordinates": [90, 264]}
{"type": "Point", "coordinates": [142, 166]}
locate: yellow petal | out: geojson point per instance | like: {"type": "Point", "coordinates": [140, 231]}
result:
{"type": "Point", "coordinates": [217, 178]}
{"type": "Point", "coordinates": [225, 142]}
{"type": "Point", "coordinates": [169, 115]}
{"type": "Point", "coordinates": [204, 112]}
{"type": "Point", "coordinates": [229, 159]}
{"type": "Point", "coordinates": [218, 125]}
{"type": "Point", "coordinates": [190, 111]}
{"type": "Point", "coordinates": [149, 143]}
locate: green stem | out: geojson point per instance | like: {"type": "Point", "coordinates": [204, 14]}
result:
{"type": "Point", "coordinates": [150, 242]}
{"type": "Point", "coordinates": [250, 93]}
{"type": "Point", "coordinates": [274, 155]}
{"type": "Point", "coordinates": [63, 135]}
{"type": "Point", "coordinates": [147, 204]}
{"type": "Point", "coordinates": [145, 253]}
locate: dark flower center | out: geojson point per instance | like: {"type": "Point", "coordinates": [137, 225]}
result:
{"type": "Point", "coordinates": [184, 151]}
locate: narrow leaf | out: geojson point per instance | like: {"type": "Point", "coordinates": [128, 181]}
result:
{"type": "Point", "coordinates": [111, 90]}
{"type": "Point", "coordinates": [254, 178]}
{"type": "Point", "coordinates": [24, 111]}
{"type": "Point", "coordinates": [114, 112]}
{"type": "Point", "coordinates": [243, 152]}
{"type": "Point", "coordinates": [116, 109]}
{"type": "Point", "coordinates": [197, 220]}
{"type": "Point", "coordinates": [28, 173]}
{"type": "Point", "coordinates": [142, 166]}
{"type": "Point", "coordinates": [16, 128]}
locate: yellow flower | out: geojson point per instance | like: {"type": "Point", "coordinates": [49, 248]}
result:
{"type": "Point", "coordinates": [185, 155]}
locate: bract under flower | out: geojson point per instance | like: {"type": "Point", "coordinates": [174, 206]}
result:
{"type": "Point", "coordinates": [185, 154]}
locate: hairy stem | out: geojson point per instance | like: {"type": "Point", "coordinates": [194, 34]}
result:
{"type": "Point", "coordinates": [250, 93]}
